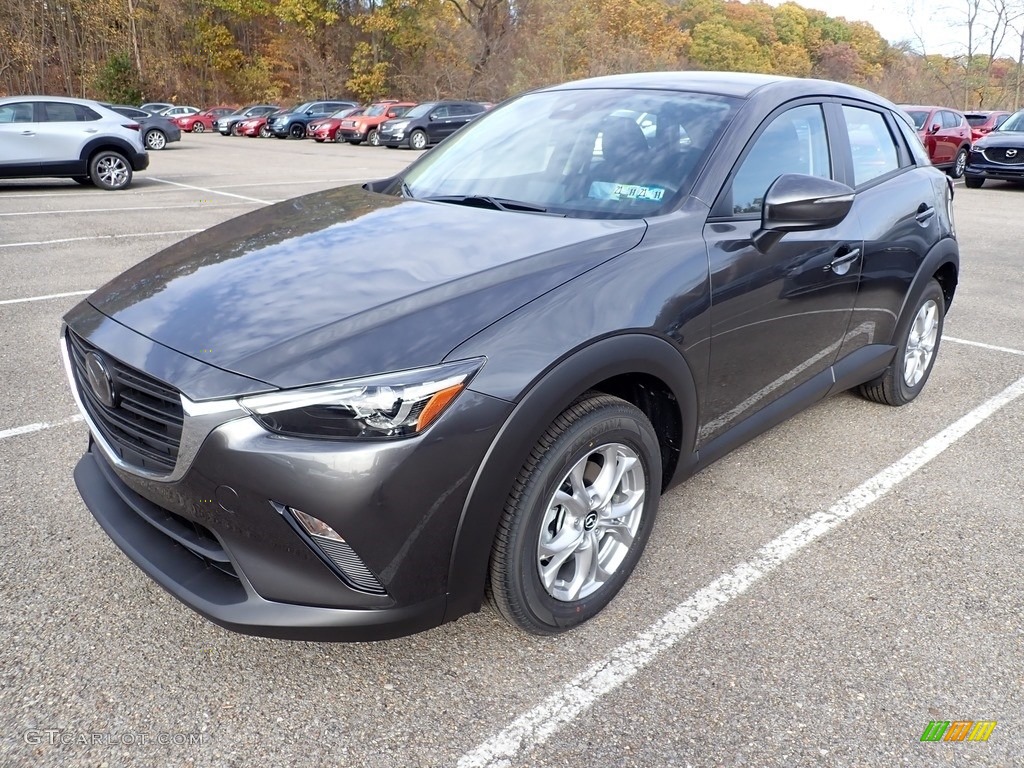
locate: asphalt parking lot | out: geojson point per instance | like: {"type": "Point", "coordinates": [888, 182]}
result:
{"type": "Point", "coordinates": [815, 598]}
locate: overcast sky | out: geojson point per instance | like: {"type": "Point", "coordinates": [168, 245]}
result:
{"type": "Point", "coordinates": [940, 24]}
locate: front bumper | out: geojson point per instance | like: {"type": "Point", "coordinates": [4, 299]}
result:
{"type": "Point", "coordinates": [347, 134]}
{"type": "Point", "coordinates": [233, 603]}
{"type": "Point", "coordinates": [216, 532]}
{"type": "Point", "coordinates": [980, 167]}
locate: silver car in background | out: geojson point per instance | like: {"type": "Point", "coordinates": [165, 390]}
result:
{"type": "Point", "coordinates": [57, 136]}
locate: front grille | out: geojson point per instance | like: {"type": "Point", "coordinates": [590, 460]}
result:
{"type": "Point", "coordinates": [144, 426]}
{"type": "Point", "coordinates": [999, 155]}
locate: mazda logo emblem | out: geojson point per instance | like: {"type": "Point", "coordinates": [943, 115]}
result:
{"type": "Point", "coordinates": [100, 382]}
{"type": "Point", "coordinates": [1011, 153]}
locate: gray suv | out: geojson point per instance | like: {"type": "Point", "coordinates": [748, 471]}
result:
{"type": "Point", "coordinates": [72, 138]}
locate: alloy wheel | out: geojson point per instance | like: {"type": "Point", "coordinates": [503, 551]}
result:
{"type": "Point", "coordinates": [590, 522]}
{"type": "Point", "coordinates": [113, 171]}
{"type": "Point", "coordinates": [924, 333]}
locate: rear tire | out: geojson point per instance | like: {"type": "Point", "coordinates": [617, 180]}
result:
{"type": "Point", "coordinates": [959, 163]}
{"type": "Point", "coordinates": [974, 182]}
{"type": "Point", "coordinates": [919, 334]}
{"type": "Point", "coordinates": [578, 517]}
{"type": "Point", "coordinates": [110, 170]}
{"type": "Point", "coordinates": [155, 139]}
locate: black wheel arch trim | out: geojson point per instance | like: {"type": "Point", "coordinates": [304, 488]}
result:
{"type": "Point", "coordinates": [546, 397]}
{"type": "Point", "coordinates": [109, 142]}
{"type": "Point", "coordinates": [942, 253]}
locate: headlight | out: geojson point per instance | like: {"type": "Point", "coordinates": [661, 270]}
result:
{"type": "Point", "coordinates": [392, 405]}
{"type": "Point", "coordinates": [399, 126]}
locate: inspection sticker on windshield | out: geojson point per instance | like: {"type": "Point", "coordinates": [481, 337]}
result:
{"type": "Point", "coordinates": [609, 190]}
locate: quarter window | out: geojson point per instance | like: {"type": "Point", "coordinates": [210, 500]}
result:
{"type": "Point", "coordinates": [794, 142]}
{"type": "Point", "coordinates": [871, 144]}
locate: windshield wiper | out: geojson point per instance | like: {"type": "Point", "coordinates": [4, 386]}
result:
{"type": "Point", "coordinates": [497, 203]}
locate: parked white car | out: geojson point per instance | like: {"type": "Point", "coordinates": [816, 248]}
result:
{"type": "Point", "coordinates": [55, 136]}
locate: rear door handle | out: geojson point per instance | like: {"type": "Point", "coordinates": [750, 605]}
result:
{"type": "Point", "coordinates": [28, 133]}
{"type": "Point", "coordinates": [924, 212]}
{"type": "Point", "coordinates": [840, 265]}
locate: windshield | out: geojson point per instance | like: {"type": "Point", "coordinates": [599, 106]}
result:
{"type": "Point", "coordinates": [346, 112]}
{"type": "Point", "coordinates": [917, 117]}
{"type": "Point", "coordinates": [1014, 122]}
{"type": "Point", "coordinates": [419, 110]}
{"type": "Point", "coordinates": [595, 153]}
{"type": "Point", "coordinates": [304, 107]}
{"type": "Point", "coordinates": [377, 109]}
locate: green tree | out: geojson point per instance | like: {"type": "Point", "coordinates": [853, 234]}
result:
{"type": "Point", "coordinates": [118, 81]}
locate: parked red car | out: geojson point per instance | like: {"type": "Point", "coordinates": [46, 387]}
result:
{"type": "Point", "coordinates": [946, 135]}
{"type": "Point", "coordinates": [326, 128]}
{"type": "Point", "coordinates": [985, 122]}
{"type": "Point", "coordinates": [364, 127]}
{"type": "Point", "coordinates": [256, 127]}
{"type": "Point", "coordinates": [202, 121]}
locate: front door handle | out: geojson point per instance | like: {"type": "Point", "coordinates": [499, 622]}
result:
{"type": "Point", "coordinates": [840, 265]}
{"type": "Point", "coordinates": [924, 212]}
{"type": "Point", "coordinates": [28, 133]}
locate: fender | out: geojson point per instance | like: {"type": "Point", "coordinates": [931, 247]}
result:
{"type": "Point", "coordinates": [943, 252]}
{"type": "Point", "coordinates": [536, 409]}
{"type": "Point", "coordinates": [112, 142]}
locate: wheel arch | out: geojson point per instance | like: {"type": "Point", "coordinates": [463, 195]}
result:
{"type": "Point", "coordinates": [640, 368]}
{"type": "Point", "coordinates": [101, 143]}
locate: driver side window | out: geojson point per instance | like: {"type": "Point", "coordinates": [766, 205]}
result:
{"type": "Point", "coordinates": [794, 142]}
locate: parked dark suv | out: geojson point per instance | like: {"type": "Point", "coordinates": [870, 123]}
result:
{"type": "Point", "coordinates": [946, 136]}
{"type": "Point", "coordinates": [999, 155]}
{"type": "Point", "coordinates": [299, 441]}
{"type": "Point", "coordinates": [427, 123]}
{"type": "Point", "coordinates": [294, 123]}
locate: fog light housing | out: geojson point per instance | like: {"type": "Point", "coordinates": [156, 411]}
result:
{"type": "Point", "coordinates": [329, 543]}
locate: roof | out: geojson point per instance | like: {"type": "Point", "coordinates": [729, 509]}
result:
{"type": "Point", "coordinates": [68, 99]}
{"type": "Point", "coordinates": [737, 84]}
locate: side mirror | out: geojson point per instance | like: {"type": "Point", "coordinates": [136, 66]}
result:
{"type": "Point", "coordinates": [798, 203]}
{"type": "Point", "coordinates": [934, 128]}
{"type": "Point", "coordinates": [433, 116]}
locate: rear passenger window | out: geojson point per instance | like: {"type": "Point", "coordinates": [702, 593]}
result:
{"type": "Point", "coordinates": [58, 112]}
{"type": "Point", "coordinates": [949, 120]}
{"type": "Point", "coordinates": [871, 144]}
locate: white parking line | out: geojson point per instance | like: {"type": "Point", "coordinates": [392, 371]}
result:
{"type": "Point", "coordinates": [536, 726]}
{"type": "Point", "coordinates": [14, 431]}
{"type": "Point", "coordinates": [47, 296]}
{"type": "Point", "coordinates": [211, 191]}
{"type": "Point", "coordinates": [991, 347]}
{"type": "Point", "coordinates": [120, 210]}
{"type": "Point", "coordinates": [100, 237]}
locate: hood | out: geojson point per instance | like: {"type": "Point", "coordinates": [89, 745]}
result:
{"type": "Point", "coordinates": [348, 283]}
{"type": "Point", "coordinates": [1001, 139]}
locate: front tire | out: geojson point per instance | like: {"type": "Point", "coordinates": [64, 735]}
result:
{"type": "Point", "coordinates": [297, 131]}
{"type": "Point", "coordinates": [264, 132]}
{"type": "Point", "coordinates": [155, 139]}
{"type": "Point", "coordinates": [919, 336]}
{"type": "Point", "coordinates": [959, 163]}
{"type": "Point", "coordinates": [974, 182]}
{"type": "Point", "coordinates": [418, 139]}
{"type": "Point", "coordinates": [198, 127]}
{"type": "Point", "coordinates": [110, 170]}
{"type": "Point", "coordinates": [236, 130]}
{"type": "Point", "coordinates": [578, 517]}
{"type": "Point", "coordinates": [372, 138]}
